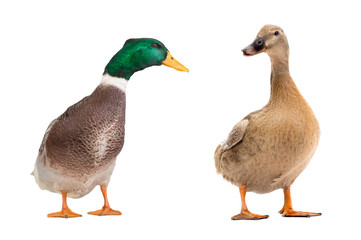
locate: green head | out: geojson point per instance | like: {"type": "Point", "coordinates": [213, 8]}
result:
{"type": "Point", "coordinates": [138, 54]}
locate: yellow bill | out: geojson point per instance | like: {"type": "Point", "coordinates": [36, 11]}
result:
{"type": "Point", "coordinates": [171, 62]}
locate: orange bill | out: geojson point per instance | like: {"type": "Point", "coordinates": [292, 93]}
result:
{"type": "Point", "coordinates": [171, 62]}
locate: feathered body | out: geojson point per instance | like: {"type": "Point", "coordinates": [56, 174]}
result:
{"type": "Point", "coordinates": [269, 148]}
{"type": "Point", "coordinates": [278, 142]}
{"type": "Point", "coordinates": [79, 148]}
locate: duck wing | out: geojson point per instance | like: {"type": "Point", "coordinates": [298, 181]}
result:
{"type": "Point", "coordinates": [238, 131]}
{"type": "Point", "coordinates": [236, 135]}
{"type": "Point", "coordinates": [72, 110]}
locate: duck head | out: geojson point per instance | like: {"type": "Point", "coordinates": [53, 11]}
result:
{"type": "Point", "coordinates": [140, 53]}
{"type": "Point", "coordinates": [270, 39]}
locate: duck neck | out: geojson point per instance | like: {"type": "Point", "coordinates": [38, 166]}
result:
{"type": "Point", "coordinates": [282, 85]}
{"type": "Point", "coordinates": [117, 82]}
{"type": "Point", "coordinates": [279, 66]}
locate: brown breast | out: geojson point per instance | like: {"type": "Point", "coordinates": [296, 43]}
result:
{"type": "Point", "coordinates": [90, 134]}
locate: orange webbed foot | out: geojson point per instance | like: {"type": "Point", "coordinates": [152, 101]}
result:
{"type": "Point", "coordinates": [287, 210]}
{"type": "Point", "coordinates": [247, 215]}
{"type": "Point", "coordinates": [64, 213]}
{"type": "Point", "coordinates": [105, 211]}
{"type": "Point", "coordinates": [292, 213]}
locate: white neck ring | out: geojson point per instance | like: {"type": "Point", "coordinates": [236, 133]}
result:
{"type": "Point", "coordinates": [118, 82]}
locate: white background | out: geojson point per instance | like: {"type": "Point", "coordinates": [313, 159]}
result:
{"type": "Point", "coordinates": [165, 183]}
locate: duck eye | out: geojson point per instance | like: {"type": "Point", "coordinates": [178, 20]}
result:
{"type": "Point", "coordinates": [154, 45]}
{"type": "Point", "coordinates": [276, 33]}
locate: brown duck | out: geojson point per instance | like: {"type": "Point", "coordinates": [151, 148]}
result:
{"type": "Point", "coordinates": [79, 148]}
{"type": "Point", "coordinates": [269, 148]}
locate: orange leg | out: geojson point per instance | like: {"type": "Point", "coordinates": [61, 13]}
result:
{"type": "Point", "coordinates": [245, 213]}
{"type": "Point", "coordinates": [65, 211]}
{"type": "Point", "coordinates": [106, 210]}
{"type": "Point", "coordinates": [287, 210]}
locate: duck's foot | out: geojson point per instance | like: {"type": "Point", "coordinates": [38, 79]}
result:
{"type": "Point", "coordinates": [247, 215]}
{"type": "Point", "coordinates": [292, 213]}
{"type": "Point", "coordinates": [287, 210]}
{"type": "Point", "coordinates": [105, 211]}
{"type": "Point", "coordinates": [64, 213]}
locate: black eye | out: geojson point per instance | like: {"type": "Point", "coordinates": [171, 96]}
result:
{"type": "Point", "coordinates": [154, 45]}
{"type": "Point", "coordinates": [276, 33]}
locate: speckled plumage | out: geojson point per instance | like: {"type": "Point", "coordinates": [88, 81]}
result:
{"type": "Point", "coordinates": [79, 148]}
{"type": "Point", "coordinates": [269, 148]}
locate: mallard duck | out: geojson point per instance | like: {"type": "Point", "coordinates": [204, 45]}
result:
{"type": "Point", "coordinates": [79, 148]}
{"type": "Point", "coordinates": [269, 148]}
